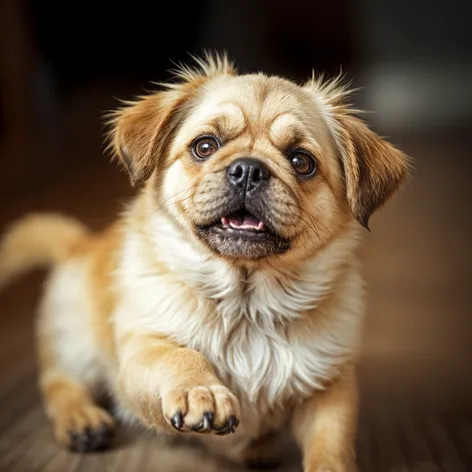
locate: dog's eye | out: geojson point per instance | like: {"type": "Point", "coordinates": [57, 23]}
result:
{"type": "Point", "coordinates": [204, 147]}
{"type": "Point", "coordinates": [303, 163]}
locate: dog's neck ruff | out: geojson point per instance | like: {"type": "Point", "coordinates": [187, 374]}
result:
{"type": "Point", "coordinates": [263, 330]}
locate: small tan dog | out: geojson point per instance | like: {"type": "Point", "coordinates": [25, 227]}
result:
{"type": "Point", "coordinates": [227, 298]}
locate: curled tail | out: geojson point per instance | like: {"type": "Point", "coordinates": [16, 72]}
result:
{"type": "Point", "coordinates": [37, 240]}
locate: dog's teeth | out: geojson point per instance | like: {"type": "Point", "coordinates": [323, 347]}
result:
{"type": "Point", "coordinates": [224, 221]}
{"type": "Point", "coordinates": [260, 226]}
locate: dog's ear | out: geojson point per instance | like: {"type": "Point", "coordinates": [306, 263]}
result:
{"type": "Point", "coordinates": [141, 131]}
{"type": "Point", "coordinates": [373, 168]}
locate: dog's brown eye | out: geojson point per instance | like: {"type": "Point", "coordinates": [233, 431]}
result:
{"type": "Point", "coordinates": [303, 163]}
{"type": "Point", "coordinates": [204, 147]}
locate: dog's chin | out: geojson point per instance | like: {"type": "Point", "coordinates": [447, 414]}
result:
{"type": "Point", "coordinates": [241, 235]}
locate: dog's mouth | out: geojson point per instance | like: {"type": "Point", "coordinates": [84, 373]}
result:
{"type": "Point", "coordinates": [242, 234]}
{"type": "Point", "coordinates": [242, 220]}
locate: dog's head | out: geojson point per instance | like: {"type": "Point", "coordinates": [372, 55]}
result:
{"type": "Point", "coordinates": [255, 167]}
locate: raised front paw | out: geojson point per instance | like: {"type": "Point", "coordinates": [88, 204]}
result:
{"type": "Point", "coordinates": [202, 409]}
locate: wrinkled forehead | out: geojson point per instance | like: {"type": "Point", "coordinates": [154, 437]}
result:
{"type": "Point", "coordinates": [257, 105]}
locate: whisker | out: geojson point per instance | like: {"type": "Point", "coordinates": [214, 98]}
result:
{"type": "Point", "coordinates": [308, 234]}
{"type": "Point", "coordinates": [319, 223]}
{"type": "Point", "coordinates": [312, 224]}
{"type": "Point", "coordinates": [166, 207]}
{"type": "Point", "coordinates": [316, 222]}
{"type": "Point", "coordinates": [178, 193]}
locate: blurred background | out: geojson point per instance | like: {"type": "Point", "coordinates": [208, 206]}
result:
{"type": "Point", "coordinates": [63, 64]}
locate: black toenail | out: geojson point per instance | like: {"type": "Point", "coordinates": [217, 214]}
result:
{"type": "Point", "coordinates": [233, 424]}
{"type": "Point", "coordinates": [206, 423]}
{"type": "Point", "coordinates": [229, 427]}
{"type": "Point", "coordinates": [223, 430]}
{"type": "Point", "coordinates": [90, 439]}
{"type": "Point", "coordinates": [104, 430]}
{"type": "Point", "coordinates": [208, 420]}
{"type": "Point", "coordinates": [177, 421]}
{"type": "Point", "coordinates": [84, 439]}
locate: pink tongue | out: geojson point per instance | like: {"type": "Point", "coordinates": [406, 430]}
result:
{"type": "Point", "coordinates": [243, 222]}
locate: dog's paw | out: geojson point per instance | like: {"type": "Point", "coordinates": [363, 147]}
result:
{"type": "Point", "coordinates": [201, 409]}
{"type": "Point", "coordinates": [84, 428]}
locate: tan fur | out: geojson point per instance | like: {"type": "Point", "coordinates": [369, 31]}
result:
{"type": "Point", "coordinates": [37, 241]}
{"type": "Point", "coordinates": [326, 447]}
{"type": "Point", "coordinates": [102, 250]}
{"type": "Point", "coordinates": [71, 409]}
{"type": "Point", "coordinates": [186, 381]}
{"type": "Point", "coordinates": [188, 337]}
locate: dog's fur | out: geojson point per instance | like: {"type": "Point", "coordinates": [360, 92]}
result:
{"type": "Point", "coordinates": [175, 321]}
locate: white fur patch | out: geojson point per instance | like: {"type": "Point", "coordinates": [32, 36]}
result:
{"type": "Point", "coordinates": [65, 320]}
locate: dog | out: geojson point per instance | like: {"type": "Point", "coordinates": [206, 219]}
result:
{"type": "Point", "coordinates": [227, 301]}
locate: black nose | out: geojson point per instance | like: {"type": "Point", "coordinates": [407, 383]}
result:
{"type": "Point", "coordinates": [248, 174]}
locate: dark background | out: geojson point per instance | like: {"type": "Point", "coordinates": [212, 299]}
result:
{"type": "Point", "coordinates": [62, 65]}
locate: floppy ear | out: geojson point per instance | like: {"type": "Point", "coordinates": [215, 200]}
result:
{"type": "Point", "coordinates": [373, 168]}
{"type": "Point", "coordinates": [141, 131]}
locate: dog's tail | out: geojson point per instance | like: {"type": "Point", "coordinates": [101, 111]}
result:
{"type": "Point", "coordinates": [37, 240]}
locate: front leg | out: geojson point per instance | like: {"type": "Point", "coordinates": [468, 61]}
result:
{"type": "Point", "coordinates": [172, 388]}
{"type": "Point", "coordinates": [325, 426]}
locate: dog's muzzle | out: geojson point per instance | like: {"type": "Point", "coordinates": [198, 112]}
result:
{"type": "Point", "coordinates": [242, 227]}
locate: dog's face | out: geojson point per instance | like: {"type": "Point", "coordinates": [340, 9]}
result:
{"type": "Point", "coordinates": [246, 168]}
{"type": "Point", "coordinates": [256, 167]}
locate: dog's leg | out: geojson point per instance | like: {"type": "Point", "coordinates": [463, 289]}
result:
{"type": "Point", "coordinates": [69, 378]}
{"type": "Point", "coordinates": [165, 385]}
{"type": "Point", "coordinates": [325, 427]}
{"type": "Point", "coordinates": [77, 422]}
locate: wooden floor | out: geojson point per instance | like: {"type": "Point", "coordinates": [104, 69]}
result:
{"type": "Point", "coordinates": [416, 383]}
